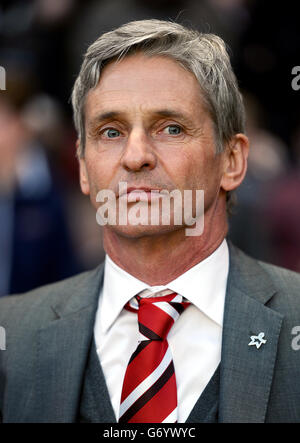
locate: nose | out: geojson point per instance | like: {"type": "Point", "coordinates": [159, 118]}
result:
{"type": "Point", "coordinates": [139, 153]}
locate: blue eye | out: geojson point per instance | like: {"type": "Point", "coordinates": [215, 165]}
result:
{"type": "Point", "coordinates": [111, 133]}
{"type": "Point", "coordinates": [173, 129]}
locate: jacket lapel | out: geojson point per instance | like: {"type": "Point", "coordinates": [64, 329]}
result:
{"type": "Point", "coordinates": [61, 353]}
{"type": "Point", "coordinates": [247, 371]}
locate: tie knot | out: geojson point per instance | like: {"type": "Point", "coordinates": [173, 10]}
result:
{"type": "Point", "coordinates": [157, 314]}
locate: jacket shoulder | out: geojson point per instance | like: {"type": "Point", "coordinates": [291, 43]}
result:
{"type": "Point", "coordinates": [282, 277]}
{"type": "Point", "coordinates": [256, 278]}
{"type": "Point", "coordinates": [30, 304]}
{"type": "Point", "coordinates": [252, 267]}
{"type": "Point", "coordinates": [287, 285]}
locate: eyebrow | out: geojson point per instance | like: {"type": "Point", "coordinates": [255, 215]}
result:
{"type": "Point", "coordinates": [173, 114]}
{"type": "Point", "coordinates": [169, 113]}
{"type": "Point", "coordinates": [104, 116]}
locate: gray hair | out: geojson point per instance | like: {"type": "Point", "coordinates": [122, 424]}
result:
{"type": "Point", "coordinates": [204, 55]}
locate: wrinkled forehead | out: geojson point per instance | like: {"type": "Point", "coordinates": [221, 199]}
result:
{"type": "Point", "coordinates": [146, 83]}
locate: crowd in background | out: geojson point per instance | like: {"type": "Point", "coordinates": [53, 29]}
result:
{"type": "Point", "coordinates": [48, 229]}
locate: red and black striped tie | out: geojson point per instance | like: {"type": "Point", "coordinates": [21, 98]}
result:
{"type": "Point", "coordinates": [149, 393]}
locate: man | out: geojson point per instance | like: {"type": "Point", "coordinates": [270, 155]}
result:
{"type": "Point", "coordinates": [157, 107]}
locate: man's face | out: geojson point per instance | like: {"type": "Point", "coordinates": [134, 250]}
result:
{"type": "Point", "coordinates": [146, 125]}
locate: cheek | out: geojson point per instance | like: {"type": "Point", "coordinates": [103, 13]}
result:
{"type": "Point", "coordinates": [189, 169]}
{"type": "Point", "coordinates": [96, 178]}
{"type": "Point", "coordinates": [200, 170]}
{"type": "Point", "coordinates": [99, 169]}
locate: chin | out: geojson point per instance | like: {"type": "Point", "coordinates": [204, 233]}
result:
{"type": "Point", "coordinates": [139, 231]}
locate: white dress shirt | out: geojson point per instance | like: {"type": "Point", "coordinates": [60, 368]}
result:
{"type": "Point", "coordinates": [194, 340]}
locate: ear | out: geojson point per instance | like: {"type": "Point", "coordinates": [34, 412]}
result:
{"type": "Point", "coordinates": [235, 162]}
{"type": "Point", "coordinates": [83, 175]}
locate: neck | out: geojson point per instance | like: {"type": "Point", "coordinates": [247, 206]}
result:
{"type": "Point", "coordinates": [159, 259]}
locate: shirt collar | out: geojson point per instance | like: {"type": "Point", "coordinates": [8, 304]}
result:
{"type": "Point", "coordinates": [204, 285]}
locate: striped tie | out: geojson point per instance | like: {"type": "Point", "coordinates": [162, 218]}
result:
{"type": "Point", "coordinates": [149, 393]}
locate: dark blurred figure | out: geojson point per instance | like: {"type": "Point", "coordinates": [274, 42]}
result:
{"type": "Point", "coordinates": [35, 245]}
{"type": "Point", "coordinates": [283, 213]}
{"type": "Point", "coordinates": [269, 49]}
{"type": "Point", "coordinates": [33, 32]}
{"type": "Point", "coordinates": [268, 162]}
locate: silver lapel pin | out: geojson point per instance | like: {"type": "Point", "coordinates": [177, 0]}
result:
{"type": "Point", "coordinates": [257, 340]}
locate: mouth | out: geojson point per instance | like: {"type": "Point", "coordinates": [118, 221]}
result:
{"type": "Point", "coordinates": [139, 193]}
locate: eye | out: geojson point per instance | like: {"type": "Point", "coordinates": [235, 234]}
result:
{"type": "Point", "coordinates": [111, 133]}
{"type": "Point", "coordinates": [173, 130]}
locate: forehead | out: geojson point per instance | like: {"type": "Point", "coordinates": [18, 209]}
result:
{"type": "Point", "coordinates": [146, 83]}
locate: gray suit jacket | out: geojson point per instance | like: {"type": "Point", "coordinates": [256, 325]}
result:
{"type": "Point", "coordinates": [48, 332]}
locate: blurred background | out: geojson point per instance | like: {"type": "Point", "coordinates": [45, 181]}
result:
{"type": "Point", "coordinates": [48, 230]}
